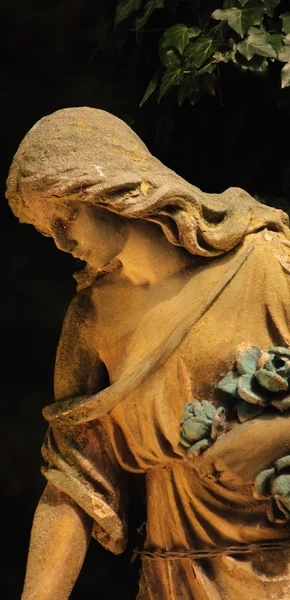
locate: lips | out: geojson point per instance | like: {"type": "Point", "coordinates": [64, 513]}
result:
{"type": "Point", "coordinates": [81, 255]}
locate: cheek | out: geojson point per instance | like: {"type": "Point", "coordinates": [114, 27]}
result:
{"type": "Point", "coordinates": [109, 240]}
{"type": "Point", "coordinates": [95, 235]}
{"type": "Point", "coordinates": [63, 235]}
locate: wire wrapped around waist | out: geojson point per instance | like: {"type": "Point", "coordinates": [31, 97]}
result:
{"type": "Point", "coordinates": [218, 551]}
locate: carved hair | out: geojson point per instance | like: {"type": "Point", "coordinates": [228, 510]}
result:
{"type": "Point", "coordinates": [86, 154]}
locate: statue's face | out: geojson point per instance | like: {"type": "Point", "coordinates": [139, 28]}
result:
{"type": "Point", "coordinates": [89, 233]}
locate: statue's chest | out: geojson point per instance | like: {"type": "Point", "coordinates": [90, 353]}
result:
{"type": "Point", "coordinates": [131, 322]}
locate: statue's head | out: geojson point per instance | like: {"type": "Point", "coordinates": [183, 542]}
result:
{"type": "Point", "coordinates": [82, 165]}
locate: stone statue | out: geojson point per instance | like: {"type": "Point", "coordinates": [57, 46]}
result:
{"type": "Point", "coordinates": [173, 361]}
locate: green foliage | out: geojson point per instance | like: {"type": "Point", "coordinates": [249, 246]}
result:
{"type": "Point", "coordinates": [269, 7]}
{"type": "Point", "coordinates": [249, 34]}
{"type": "Point", "coordinates": [240, 19]}
{"type": "Point", "coordinates": [258, 41]}
{"type": "Point", "coordinates": [285, 18]}
{"type": "Point", "coordinates": [285, 75]}
{"type": "Point", "coordinates": [150, 6]}
{"type": "Point", "coordinates": [178, 37]}
{"type": "Point", "coordinates": [197, 53]}
{"type": "Point", "coordinates": [152, 85]}
{"type": "Point", "coordinates": [125, 8]}
{"type": "Point", "coordinates": [170, 77]}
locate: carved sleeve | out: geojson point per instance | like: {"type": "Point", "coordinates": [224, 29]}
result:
{"type": "Point", "coordinates": [79, 460]}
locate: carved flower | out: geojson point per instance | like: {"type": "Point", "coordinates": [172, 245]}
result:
{"type": "Point", "coordinates": [200, 423]}
{"type": "Point", "coordinates": [261, 378]}
{"type": "Point", "coordinates": [274, 485]}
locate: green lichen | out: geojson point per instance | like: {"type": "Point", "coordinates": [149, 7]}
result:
{"type": "Point", "coordinates": [273, 485]}
{"type": "Point", "coordinates": [200, 424]}
{"type": "Point", "coordinates": [260, 378]}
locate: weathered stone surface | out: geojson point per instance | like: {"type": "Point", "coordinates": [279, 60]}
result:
{"type": "Point", "coordinates": [155, 326]}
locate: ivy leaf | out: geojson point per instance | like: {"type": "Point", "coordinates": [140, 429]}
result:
{"type": "Point", "coordinates": [285, 18]}
{"type": "Point", "coordinates": [209, 68]}
{"type": "Point", "coordinates": [208, 83]}
{"type": "Point", "coordinates": [240, 19]}
{"type": "Point", "coordinates": [151, 87]}
{"type": "Point", "coordinates": [276, 41]}
{"type": "Point", "coordinates": [195, 97]}
{"type": "Point", "coordinates": [258, 41]}
{"type": "Point", "coordinates": [206, 86]}
{"type": "Point", "coordinates": [125, 8]}
{"type": "Point", "coordinates": [188, 84]}
{"type": "Point", "coordinates": [257, 64]}
{"type": "Point", "coordinates": [178, 36]}
{"type": "Point", "coordinates": [198, 51]}
{"type": "Point", "coordinates": [284, 54]}
{"type": "Point", "coordinates": [150, 6]}
{"type": "Point", "coordinates": [193, 32]}
{"type": "Point", "coordinates": [226, 57]}
{"type": "Point", "coordinates": [168, 56]}
{"type": "Point", "coordinates": [269, 6]}
{"type": "Point", "coordinates": [285, 75]}
{"type": "Point", "coordinates": [170, 78]}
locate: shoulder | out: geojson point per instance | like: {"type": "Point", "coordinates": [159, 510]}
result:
{"type": "Point", "coordinates": [81, 321]}
{"type": "Point", "coordinates": [100, 309]}
{"type": "Point", "coordinates": [83, 307]}
{"type": "Point", "coordinates": [271, 252]}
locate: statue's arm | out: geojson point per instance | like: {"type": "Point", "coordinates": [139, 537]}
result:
{"type": "Point", "coordinates": [59, 540]}
{"type": "Point", "coordinates": [248, 448]}
{"type": "Point", "coordinates": [61, 530]}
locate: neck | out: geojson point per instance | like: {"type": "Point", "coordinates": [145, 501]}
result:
{"type": "Point", "coordinates": [148, 257]}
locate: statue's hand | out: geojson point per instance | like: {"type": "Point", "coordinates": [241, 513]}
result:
{"type": "Point", "coordinates": [247, 448]}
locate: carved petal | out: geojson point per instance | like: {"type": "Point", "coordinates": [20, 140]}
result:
{"type": "Point", "coordinates": [197, 448]}
{"type": "Point", "coordinates": [245, 390]}
{"type": "Point", "coordinates": [271, 381]}
{"type": "Point", "coordinates": [188, 409]}
{"type": "Point", "coordinates": [247, 411]}
{"type": "Point", "coordinates": [247, 360]}
{"type": "Point", "coordinates": [279, 350]}
{"type": "Point", "coordinates": [208, 409]}
{"type": "Point", "coordinates": [282, 463]}
{"type": "Point", "coordinates": [281, 486]}
{"type": "Point", "coordinates": [221, 412]}
{"type": "Point", "coordinates": [274, 514]}
{"type": "Point", "coordinates": [229, 383]}
{"type": "Point", "coordinates": [284, 507]}
{"type": "Point", "coordinates": [194, 430]}
{"type": "Point", "coordinates": [282, 404]}
{"type": "Point", "coordinates": [285, 370]}
{"type": "Point", "coordinates": [262, 487]}
{"type": "Point", "coordinates": [184, 441]}
{"type": "Point", "coordinates": [196, 410]}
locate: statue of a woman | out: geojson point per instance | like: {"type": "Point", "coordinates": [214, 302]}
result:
{"type": "Point", "coordinates": [180, 290]}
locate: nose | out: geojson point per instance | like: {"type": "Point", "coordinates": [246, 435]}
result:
{"type": "Point", "coordinates": [66, 245]}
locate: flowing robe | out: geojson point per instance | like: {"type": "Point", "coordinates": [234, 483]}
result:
{"type": "Point", "coordinates": [191, 504]}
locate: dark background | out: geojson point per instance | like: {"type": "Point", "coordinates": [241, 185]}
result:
{"type": "Point", "coordinates": [60, 54]}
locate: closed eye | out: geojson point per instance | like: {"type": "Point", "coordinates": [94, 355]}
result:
{"type": "Point", "coordinates": [59, 225]}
